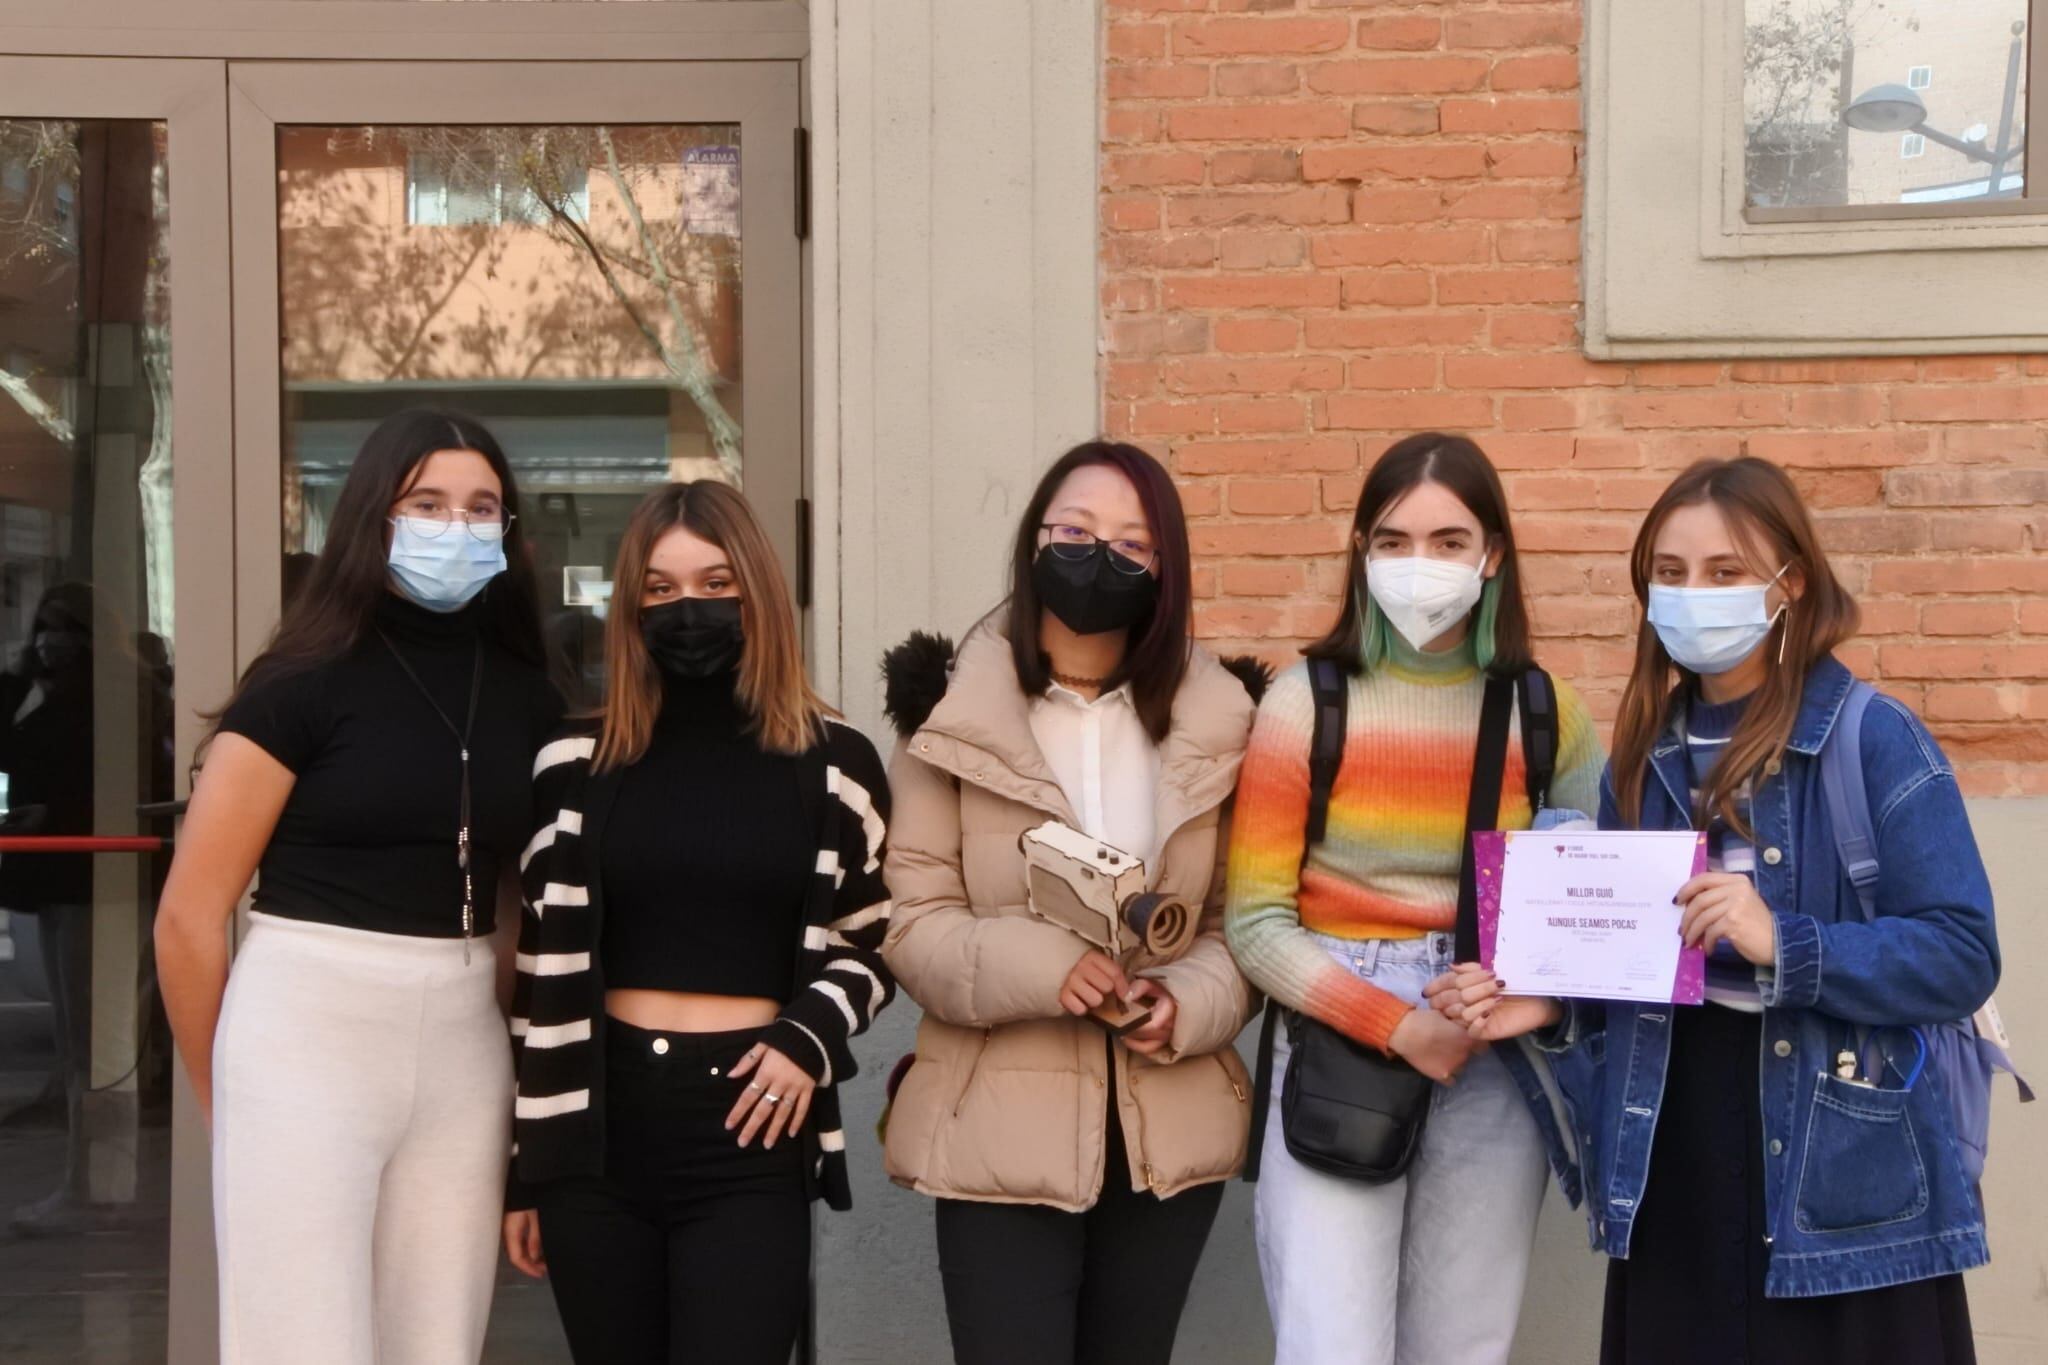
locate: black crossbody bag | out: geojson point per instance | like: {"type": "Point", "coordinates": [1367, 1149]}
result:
{"type": "Point", "coordinates": [1347, 1109]}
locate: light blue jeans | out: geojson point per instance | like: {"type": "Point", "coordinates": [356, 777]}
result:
{"type": "Point", "coordinates": [1425, 1270]}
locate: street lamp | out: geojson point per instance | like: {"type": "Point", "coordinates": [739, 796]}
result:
{"type": "Point", "coordinates": [1899, 109]}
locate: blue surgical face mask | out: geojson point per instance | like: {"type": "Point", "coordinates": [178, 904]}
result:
{"type": "Point", "coordinates": [444, 565]}
{"type": "Point", "coordinates": [1711, 630]}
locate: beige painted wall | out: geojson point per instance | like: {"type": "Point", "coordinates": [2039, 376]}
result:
{"type": "Point", "coordinates": [2009, 1297]}
{"type": "Point", "coordinates": [954, 348]}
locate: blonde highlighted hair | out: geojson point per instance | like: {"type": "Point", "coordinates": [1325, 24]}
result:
{"type": "Point", "coordinates": [788, 716]}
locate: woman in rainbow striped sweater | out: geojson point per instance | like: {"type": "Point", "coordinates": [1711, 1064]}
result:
{"type": "Point", "coordinates": [1351, 930]}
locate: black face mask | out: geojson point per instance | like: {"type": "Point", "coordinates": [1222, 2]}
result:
{"type": "Point", "coordinates": [1091, 595]}
{"type": "Point", "coordinates": [696, 637]}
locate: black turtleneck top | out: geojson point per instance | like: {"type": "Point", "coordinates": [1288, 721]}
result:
{"type": "Point", "coordinates": [706, 856]}
{"type": "Point", "coordinates": [367, 837]}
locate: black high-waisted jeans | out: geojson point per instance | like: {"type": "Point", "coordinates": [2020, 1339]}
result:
{"type": "Point", "coordinates": [690, 1248]}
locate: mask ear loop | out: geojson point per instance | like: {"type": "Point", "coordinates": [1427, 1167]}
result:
{"type": "Point", "coordinates": [1783, 612]}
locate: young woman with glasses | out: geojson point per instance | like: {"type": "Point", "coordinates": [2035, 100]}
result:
{"type": "Point", "coordinates": [372, 771]}
{"type": "Point", "coordinates": [704, 918]}
{"type": "Point", "coordinates": [1077, 1171]}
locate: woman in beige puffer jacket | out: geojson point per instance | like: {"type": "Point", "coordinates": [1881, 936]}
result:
{"type": "Point", "coordinates": [1078, 1174]}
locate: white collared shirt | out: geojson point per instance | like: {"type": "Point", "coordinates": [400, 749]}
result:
{"type": "Point", "coordinates": [1106, 764]}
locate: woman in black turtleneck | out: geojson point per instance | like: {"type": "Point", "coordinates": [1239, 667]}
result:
{"type": "Point", "coordinates": [705, 808]}
{"type": "Point", "coordinates": [704, 918]}
{"type": "Point", "coordinates": [373, 769]}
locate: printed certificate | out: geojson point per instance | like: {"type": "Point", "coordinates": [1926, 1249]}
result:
{"type": "Point", "coordinates": [1590, 915]}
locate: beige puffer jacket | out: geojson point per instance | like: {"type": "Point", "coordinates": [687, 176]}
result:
{"type": "Point", "coordinates": [1005, 1101]}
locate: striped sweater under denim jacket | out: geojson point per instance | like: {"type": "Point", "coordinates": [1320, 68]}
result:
{"type": "Point", "coordinates": [558, 999]}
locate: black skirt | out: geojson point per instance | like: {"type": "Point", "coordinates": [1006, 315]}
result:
{"type": "Point", "coordinates": [1692, 1289]}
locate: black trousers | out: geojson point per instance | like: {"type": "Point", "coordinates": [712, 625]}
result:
{"type": "Point", "coordinates": [1031, 1285]}
{"type": "Point", "coordinates": [690, 1249]}
{"type": "Point", "coordinates": [1692, 1289]}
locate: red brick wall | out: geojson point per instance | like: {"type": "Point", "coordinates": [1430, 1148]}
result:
{"type": "Point", "coordinates": [1327, 223]}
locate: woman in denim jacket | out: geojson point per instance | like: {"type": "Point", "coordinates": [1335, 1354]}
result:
{"type": "Point", "coordinates": [1768, 1184]}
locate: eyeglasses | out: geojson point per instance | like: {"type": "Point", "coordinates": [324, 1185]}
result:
{"type": "Point", "coordinates": [432, 519]}
{"type": "Point", "coordinates": [1076, 543]}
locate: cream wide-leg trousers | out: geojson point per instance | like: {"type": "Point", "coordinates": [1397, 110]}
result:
{"type": "Point", "coordinates": [361, 1121]}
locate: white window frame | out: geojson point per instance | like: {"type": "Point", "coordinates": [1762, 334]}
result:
{"type": "Point", "coordinates": [1912, 145]}
{"type": "Point", "coordinates": [1675, 266]}
{"type": "Point", "coordinates": [1919, 77]}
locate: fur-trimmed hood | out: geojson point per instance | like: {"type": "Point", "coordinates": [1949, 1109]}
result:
{"type": "Point", "coordinates": [915, 675]}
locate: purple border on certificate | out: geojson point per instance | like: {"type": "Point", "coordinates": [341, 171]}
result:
{"type": "Point", "coordinates": [1489, 856]}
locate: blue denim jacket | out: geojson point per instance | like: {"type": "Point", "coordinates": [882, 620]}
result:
{"type": "Point", "coordinates": [1863, 1186]}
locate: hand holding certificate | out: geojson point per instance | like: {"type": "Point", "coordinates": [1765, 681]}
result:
{"type": "Point", "coordinates": [1590, 915]}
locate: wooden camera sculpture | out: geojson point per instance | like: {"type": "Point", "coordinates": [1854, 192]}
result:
{"type": "Point", "coordinates": [1096, 891]}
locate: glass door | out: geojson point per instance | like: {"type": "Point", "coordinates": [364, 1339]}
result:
{"type": "Point", "coordinates": [115, 497]}
{"type": "Point", "coordinates": [598, 261]}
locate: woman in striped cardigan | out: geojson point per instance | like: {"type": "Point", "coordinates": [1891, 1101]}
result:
{"type": "Point", "coordinates": [704, 912]}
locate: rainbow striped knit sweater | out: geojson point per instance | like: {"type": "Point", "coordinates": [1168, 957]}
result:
{"type": "Point", "coordinates": [1388, 867]}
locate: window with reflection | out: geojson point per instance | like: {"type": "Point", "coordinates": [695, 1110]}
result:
{"type": "Point", "coordinates": [86, 685]}
{"type": "Point", "coordinates": [576, 287]}
{"type": "Point", "coordinates": [1861, 104]}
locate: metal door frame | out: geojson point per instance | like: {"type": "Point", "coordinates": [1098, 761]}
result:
{"type": "Point", "coordinates": [190, 98]}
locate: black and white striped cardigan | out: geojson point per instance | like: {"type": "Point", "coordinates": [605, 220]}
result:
{"type": "Point", "coordinates": [558, 998]}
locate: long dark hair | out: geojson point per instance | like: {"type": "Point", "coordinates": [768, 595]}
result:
{"type": "Point", "coordinates": [333, 610]}
{"type": "Point", "coordinates": [1771, 529]}
{"type": "Point", "coordinates": [1457, 463]}
{"type": "Point", "coordinates": [1157, 656]}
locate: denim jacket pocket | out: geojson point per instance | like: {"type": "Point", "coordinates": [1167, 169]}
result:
{"type": "Point", "coordinates": [1862, 1167]}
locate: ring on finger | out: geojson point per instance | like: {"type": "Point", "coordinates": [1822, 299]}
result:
{"type": "Point", "coordinates": [773, 1099]}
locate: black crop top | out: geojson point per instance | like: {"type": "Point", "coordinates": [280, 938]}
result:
{"type": "Point", "coordinates": [367, 837]}
{"type": "Point", "coordinates": [706, 856]}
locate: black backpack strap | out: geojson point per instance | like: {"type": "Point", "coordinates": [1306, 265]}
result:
{"type": "Point", "coordinates": [1262, 1091]}
{"type": "Point", "coordinates": [1539, 735]}
{"type": "Point", "coordinates": [1331, 689]}
{"type": "Point", "coordinates": [1327, 684]}
{"type": "Point", "coordinates": [1482, 809]}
